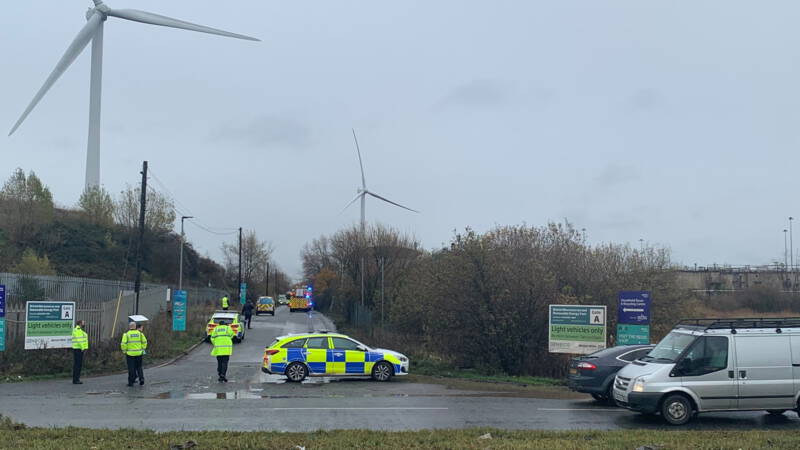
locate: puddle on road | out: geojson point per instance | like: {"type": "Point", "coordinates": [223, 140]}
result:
{"type": "Point", "coordinates": [259, 394]}
{"type": "Point", "coordinates": [281, 379]}
{"type": "Point", "coordinates": [105, 393]}
{"type": "Point", "coordinates": [233, 395]}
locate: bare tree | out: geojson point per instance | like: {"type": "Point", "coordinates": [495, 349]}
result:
{"type": "Point", "coordinates": [159, 214]}
{"type": "Point", "coordinates": [255, 256]}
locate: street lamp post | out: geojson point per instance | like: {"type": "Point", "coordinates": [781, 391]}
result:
{"type": "Point", "coordinates": [785, 252]}
{"type": "Point", "coordinates": [180, 264]}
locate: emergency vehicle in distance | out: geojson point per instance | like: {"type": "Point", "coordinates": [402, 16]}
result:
{"type": "Point", "coordinates": [298, 356]}
{"type": "Point", "coordinates": [300, 299]}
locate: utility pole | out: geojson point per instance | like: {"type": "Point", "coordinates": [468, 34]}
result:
{"type": "Point", "coordinates": [276, 282]}
{"type": "Point", "coordinates": [383, 260]}
{"type": "Point", "coordinates": [180, 276]}
{"type": "Point", "coordinates": [239, 284]}
{"type": "Point", "coordinates": [791, 245]}
{"type": "Point", "coordinates": [266, 289]}
{"type": "Point", "coordinates": [142, 206]}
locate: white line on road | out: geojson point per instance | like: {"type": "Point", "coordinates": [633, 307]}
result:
{"type": "Point", "coordinates": [581, 409]}
{"type": "Point", "coordinates": [359, 409]}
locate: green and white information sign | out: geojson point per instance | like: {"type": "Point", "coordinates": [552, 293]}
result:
{"type": "Point", "coordinates": [632, 334]}
{"type": "Point", "coordinates": [49, 325]}
{"type": "Point", "coordinates": [577, 329]}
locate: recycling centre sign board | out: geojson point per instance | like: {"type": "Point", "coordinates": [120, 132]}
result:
{"type": "Point", "coordinates": [577, 329]}
{"type": "Point", "coordinates": [49, 325]}
{"type": "Point", "coordinates": [633, 317]}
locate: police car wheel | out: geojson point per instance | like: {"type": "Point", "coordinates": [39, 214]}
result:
{"type": "Point", "coordinates": [382, 371]}
{"type": "Point", "coordinates": [296, 372]}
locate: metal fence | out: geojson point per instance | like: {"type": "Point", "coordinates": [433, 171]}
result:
{"type": "Point", "coordinates": [360, 317]}
{"type": "Point", "coordinates": [103, 304]}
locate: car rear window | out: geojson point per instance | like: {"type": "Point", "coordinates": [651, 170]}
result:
{"type": "Point", "coordinates": [603, 353]}
{"type": "Point", "coordinates": [265, 301]}
{"type": "Point", "coordinates": [297, 343]}
{"type": "Point", "coordinates": [635, 354]}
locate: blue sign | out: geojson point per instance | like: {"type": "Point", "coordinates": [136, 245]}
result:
{"type": "Point", "coordinates": [2, 301]}
{"type": "Point", "coordinates": [634, 307]}
{"type": "Point", "coordinates": [179, 310]}
{"type": "Point", "coordinates": [243, 293]}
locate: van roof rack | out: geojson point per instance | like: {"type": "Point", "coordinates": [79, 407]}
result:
{"type": "Point", "coordinates": [738, 323]}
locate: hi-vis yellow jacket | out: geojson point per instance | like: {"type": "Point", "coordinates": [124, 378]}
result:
{"type": "Point", "coordinates": [222, 338]}
{"type": "Point", "coordinates": [225, 302]}
{"type": "Point", "coordinates": [133, 343]}
{"type": "Point", "coordinates": [80, 340]}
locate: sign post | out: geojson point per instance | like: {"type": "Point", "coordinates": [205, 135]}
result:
{"type": "Point", "coordinates": [178, 310]}
{"type": "Point", "coordinates": [2, 317]}
{"type": "Point", "coordinates": [49, 325]}
{"type": "Point", "coordinates": [633, 317]}
{"type": "Point", "coordinates": [243, 293]}
{"type": "Point", "coordinates": [577, 329]}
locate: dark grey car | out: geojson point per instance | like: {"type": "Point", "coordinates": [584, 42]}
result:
{"type": "Point", "coordinates": [594, 374]}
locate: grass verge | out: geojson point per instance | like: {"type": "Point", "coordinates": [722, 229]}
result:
{"type": "Point", "coordinates": [440, 369]}
{"type": "Point", "coordinates": [18, 365]}
{"type": "Point", "coordinates": [18, 436]}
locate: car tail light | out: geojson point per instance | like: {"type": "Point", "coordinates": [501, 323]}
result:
{"type": "Point", "coordinates": [270, 352]}
{"type": "Point", "coordinates": [586, 365]}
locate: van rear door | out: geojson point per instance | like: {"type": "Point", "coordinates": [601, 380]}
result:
{"type": "Point", "coordinates": [764, 371]}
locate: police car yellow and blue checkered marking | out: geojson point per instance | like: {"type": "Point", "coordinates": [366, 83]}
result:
{"type": "Point", "coordinates": [326, 361]}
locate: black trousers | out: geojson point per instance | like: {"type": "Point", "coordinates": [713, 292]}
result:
{"type": "Point", "coordinates": [222, 365]}
{"type": "Point", "coordinates": [77, 364]}
{"type": "Point", "coordinates": [247, 319]}
{"type": "Point", "coordinates": [135, 369]}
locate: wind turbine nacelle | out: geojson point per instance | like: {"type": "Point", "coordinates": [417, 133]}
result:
{"type": "Point", "coordinates": [102, 10]}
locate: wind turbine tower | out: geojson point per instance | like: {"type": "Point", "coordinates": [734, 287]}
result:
{"type": "Point", "coordinates": [363, 192]}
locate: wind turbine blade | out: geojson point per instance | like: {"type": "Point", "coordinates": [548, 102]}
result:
{"type": "Point", "coordinates": [351, 202]}
{"type": "Point", "coordinates": [164, 21]}
{"type": "Point", "coordinates": [75, 48]}
{"type": "Point", "coordinates": [389, 201]}
{"type": "Point", "coordinates": [363, 179]}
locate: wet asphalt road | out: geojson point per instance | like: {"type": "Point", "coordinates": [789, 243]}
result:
{"type": "Point", "coordinates": [186, 396]}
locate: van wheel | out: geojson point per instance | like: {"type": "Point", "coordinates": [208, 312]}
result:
{"type": "Point", "coordinates": [676, 409]}
{"type": "Point", "coordinates": [776, 412]}
{"type": "Point", "coordinates": [296, 372]}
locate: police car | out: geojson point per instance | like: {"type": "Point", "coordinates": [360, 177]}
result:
{"type": "Point", "coordinates": [329, 354]}
{"type": "Point", "coordinates": [232, 319]}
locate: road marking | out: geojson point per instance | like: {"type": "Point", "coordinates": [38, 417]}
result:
{"type": "Point", "coordinates": [581, 409]}
{"type": "Point", "coordinates": [359, 409]}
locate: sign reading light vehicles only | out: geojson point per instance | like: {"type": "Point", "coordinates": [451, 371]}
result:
{"type": "Point", "coordinates": [577, 329]}
{"type": "Point", "coordinates": [49, 325]}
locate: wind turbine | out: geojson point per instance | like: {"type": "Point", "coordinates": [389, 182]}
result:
{"type": "Point", "coordinates": [93, 31]}
{"type": "Point", "coordinates": [363, 192]}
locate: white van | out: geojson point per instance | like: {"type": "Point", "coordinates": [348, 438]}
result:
{"type": "Point", "coordinates": [707, 365]}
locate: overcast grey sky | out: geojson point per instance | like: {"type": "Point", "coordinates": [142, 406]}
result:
{"type": "Point", "coordinates": [670, 121]}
